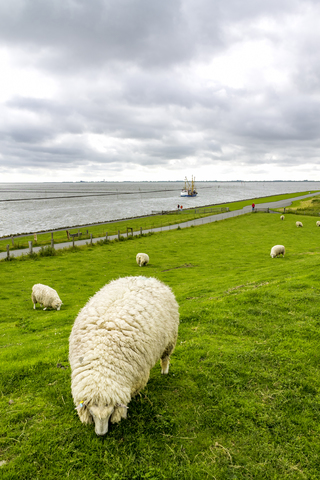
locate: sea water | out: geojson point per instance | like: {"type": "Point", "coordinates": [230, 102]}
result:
{"type": "Point", "coordinates": [34, 207]}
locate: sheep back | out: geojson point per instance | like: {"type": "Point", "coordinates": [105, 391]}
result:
{"type": "Point", "coordinates": [117, 337]}
{"type": "Point", "coordinates": [45, 296]}
{"type": "Point", "coordinates": [299, 224]}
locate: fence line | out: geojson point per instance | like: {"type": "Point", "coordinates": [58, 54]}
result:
{"type": "Point", "coordinates": [73, 237]}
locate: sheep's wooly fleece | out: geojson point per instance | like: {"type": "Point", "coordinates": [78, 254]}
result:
{"type": "Point", "coordinates": [299, 224]}
{"type": "Point", "coordinates": [120, 334]}
{"type": "Point", "coordinates": [45, 296]}
{"type": "Point", "coordinates": [142, 259]}
{"type": "Point", "coordinates": [277, 250]}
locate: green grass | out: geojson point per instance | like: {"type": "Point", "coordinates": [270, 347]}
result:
{"type": "Point", "coordinates": [149, 222]}
{"type": "Point", "coordinates": [242, 399]}
{"type": "Point", "coordinates": [310, 206]}
{"type": "Point", "coordinates": [111, 228]}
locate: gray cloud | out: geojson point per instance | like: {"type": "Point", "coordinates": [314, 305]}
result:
{"type": "Point", "coordinates": [159, 85]}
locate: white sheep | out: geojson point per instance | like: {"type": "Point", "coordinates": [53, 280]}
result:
{"type": "Point", "coordinates": [299, 224]}
{"type": "Point", "coordinates": [277, 250]}
{"type": "Point", "coordinates": [45, 296]}
{"type": "Point", "coordinates": [142, 259]}
{"type": "Point", "coordinates": [116, 339]}
{"type": "Point", "coordinates": [318, 223]}
{"type": "Point", "coordinates": [282, 217]}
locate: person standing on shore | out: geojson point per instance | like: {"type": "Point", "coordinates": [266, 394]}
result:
{"type": "Point", "coordinates": [253, 205]}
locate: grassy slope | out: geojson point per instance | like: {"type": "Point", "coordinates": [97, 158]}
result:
{"type": "Point", "coordinates": [145, 223]}
{"type": "Point", "coordinates": [242, 397]}
{"type": "Point", "coordinates": [310, 206]}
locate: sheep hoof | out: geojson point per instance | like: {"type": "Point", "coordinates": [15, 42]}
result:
{"type": "Point", "coordinates": [165, 370]}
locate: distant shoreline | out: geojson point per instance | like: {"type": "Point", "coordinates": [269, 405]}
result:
{"type": "Point", "coordinates": [159, 181]}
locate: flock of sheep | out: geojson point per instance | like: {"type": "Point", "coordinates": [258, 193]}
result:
{"type": "Point", "coordinates": [117, 337]}
{"type": "Point", "coordinates": [279, 249]}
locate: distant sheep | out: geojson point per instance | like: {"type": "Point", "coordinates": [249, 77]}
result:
{"type": "Point", "coordinates": [45, 296]}
{"type": "Point", "coordinates": [118, 336]}
{"type": "Point", "coordinates": [318, 223]}
{"type": "Point", "coordinates": [282, 217]}
{"type": "Point", "coordinates": [142, 259]}
{"type": "Point", "coordinates": [299, 224]}
{"type": "Point", "coordinates": [277, 250]}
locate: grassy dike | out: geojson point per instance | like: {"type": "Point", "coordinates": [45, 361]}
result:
{"type": "Point", "coordinates": [242, 398]}
{"type": "Point", "coordinates": [146, 223]}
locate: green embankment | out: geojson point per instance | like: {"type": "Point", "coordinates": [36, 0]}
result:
{"type": "Point", "coordinates": [148, 222]}
{"type": "Point", "coordinates": [242, 398]}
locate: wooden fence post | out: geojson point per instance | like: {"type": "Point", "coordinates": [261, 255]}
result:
{"type": "Point", "coordinates": [68, 234]}
{"type": "Point", "coordinates": [35, 237]}
{"type": "Point", "coordinates": [118, 234]}
{"type": "Point", "coordinates": [72, 240]}
{"type": "Point", "coordinates": [30, 246]}
{"type": "Point", "coordinates": [90, 238]}
{"type": "Point", "coordinates": [140, 230]}
{"type": "Point", "coordinates": [12, 241]}
{"type": "Point", "coordinates": [107, 236]}
{"type": "Point", "coordinates": [8, 252]}
{"type": "Point", "coordinates": [52, 242]}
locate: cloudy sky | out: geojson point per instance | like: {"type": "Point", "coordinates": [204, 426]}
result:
{"type": "Point", "coordinates": [159, 90]}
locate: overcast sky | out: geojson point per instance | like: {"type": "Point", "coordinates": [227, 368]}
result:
{"type": "Point", "coordinates": [159, 90]}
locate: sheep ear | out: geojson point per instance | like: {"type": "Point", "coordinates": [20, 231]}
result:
{"type": "Point", "coordinates": [84, 415]}
{"type": "Point", "coordinates": [118, 413]}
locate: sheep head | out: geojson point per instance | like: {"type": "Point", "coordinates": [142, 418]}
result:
{"type": "Point", "coordinates": [101, 415]}
{"type": "Point", "coordinates": [57, 304]}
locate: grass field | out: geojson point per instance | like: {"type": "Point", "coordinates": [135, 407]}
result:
{"type": "Point", "coordinates": [242, 399]}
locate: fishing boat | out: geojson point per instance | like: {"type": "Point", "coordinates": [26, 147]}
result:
{"type": "Point", "coordinates": [189, 189]}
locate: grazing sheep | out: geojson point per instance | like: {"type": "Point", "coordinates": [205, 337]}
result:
{"type": "Point", "coordinates": [318, 223]}
{"type": "Point", "coordinates": [299, 224]}
{"type": "Point", "coordinates": [45, 296]}
{"type": "Point", "coordinates": [142, 259]}
{"type": "Point", "coordinates": [116, 339]}
{"type": "Point", "coordinates": [277, 250]}
{"type": "Point", "coordinates": [282, 217]}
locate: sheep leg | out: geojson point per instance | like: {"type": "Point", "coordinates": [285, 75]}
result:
{"type": "Point", "coordinates": [165, 362]}
{"type": "Point", "coordinates": [165, 359]}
